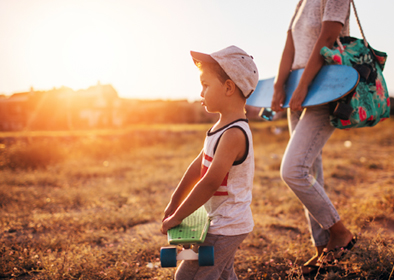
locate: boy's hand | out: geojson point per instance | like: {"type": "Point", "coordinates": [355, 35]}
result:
{"type": "Point", "coordinates": [168, 223]}
{"type": "Point", "coordinates": [170, 209]}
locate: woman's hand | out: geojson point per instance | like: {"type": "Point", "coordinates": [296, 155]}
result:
{"type": "Point", "coordinates": [278, 99]}
{"type": "Point", "coordinates": [298, 98]}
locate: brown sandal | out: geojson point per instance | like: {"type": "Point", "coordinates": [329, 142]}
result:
{"type": "Point", "coordinates": [314, 269]}
{"type": "Point", "coordinates": [335, 253]}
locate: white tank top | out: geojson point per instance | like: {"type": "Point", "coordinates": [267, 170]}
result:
{"type": "Point", "coordinates": [229, 208]}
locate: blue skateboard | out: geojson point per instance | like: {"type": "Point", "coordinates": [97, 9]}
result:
{"type": "Point", "coordinates": [330, 84]}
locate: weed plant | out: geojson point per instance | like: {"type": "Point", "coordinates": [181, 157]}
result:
{"type": "Point", "coordinates": [89, 205]}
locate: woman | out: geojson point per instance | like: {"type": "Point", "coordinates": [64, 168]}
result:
{"type": "Point", "coordinates": [315, 24]}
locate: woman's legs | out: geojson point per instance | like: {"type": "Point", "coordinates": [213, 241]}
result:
{"type": "Point", "coordinates": [319, 235]}
{"type": "Point", "coordinates": [301, 168]}
{"type": "Point", "coordinates": [302, 171]}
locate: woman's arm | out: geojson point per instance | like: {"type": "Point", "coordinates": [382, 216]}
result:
{"type": "Point", "coordinates": [283, 73]}
{"type": "Point", "coordinates": [329, 33]}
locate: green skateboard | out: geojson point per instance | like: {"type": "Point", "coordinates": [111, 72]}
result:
{"type": "Point", "coordinates": [187, 236]}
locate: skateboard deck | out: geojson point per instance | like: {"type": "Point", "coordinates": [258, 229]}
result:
{"type": "Point", "coordinates": [192, 230]}
{"type": "Point", "coordinates": [190, 233]}
{"type": "Point", "coordinates": [330, 84]}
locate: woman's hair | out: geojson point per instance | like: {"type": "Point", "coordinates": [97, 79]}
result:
{"type": "Point", "coordinates": [215, 68]}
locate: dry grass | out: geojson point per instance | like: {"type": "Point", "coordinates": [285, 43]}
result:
{"type": "Point", "coordinates": [88, 205]}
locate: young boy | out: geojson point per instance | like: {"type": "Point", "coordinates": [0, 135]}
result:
{"type": "Point", "coordinates": [221, 176]}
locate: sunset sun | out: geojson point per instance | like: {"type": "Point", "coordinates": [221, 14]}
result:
{"type": "Point", "coordinates": [89, 54]}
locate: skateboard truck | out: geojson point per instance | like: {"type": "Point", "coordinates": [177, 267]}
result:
{"type": "Point", "coordinates": [187, 254]}
{"type": "Point", "coordinates": [170, 255]}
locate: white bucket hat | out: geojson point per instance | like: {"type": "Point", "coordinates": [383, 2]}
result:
{"type": "Point", "coordinates": [237, 64]}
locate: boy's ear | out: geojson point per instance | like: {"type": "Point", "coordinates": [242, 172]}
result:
{"type": "Point", "coordinates": [230, 87]}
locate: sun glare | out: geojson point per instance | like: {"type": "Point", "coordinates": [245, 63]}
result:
{"type": "Point", "coordinates": [74, 48]}
{"type": "Point", "coordinates": [129, 44]}
{"type": "Point", "coordinates": [88, 55]}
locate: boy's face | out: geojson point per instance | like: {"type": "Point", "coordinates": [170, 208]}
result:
{"type": "Point", "coordinates": [213, 90]}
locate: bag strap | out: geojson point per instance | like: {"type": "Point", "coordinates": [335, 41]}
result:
{"type": "Point", "coordinates": [359, 24]}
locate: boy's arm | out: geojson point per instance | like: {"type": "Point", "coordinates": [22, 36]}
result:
{"type": "Point", "coordinates": [231, 147]}
{"type": "Point", "coordinates": [186, 184]}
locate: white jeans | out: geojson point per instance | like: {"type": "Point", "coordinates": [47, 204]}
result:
{"type": "Point", "coordinates": [302, 168]}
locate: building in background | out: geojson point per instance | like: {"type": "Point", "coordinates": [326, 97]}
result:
{"type": "Point", "coordinates": [63, 108]}
{"type": "Point", "coordinates": [98, 106]}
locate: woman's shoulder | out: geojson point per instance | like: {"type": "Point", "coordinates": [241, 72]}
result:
{"type": "Point", "coordinates": [334, 6]}
{"type": "Point", "coordinates": [336, 10]}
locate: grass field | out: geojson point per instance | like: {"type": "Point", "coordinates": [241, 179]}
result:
{"type": "Point", "coordinates": [88, 205]}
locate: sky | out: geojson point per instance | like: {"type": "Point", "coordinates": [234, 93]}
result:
{"type": "Point", "coordinates": [142, 47]}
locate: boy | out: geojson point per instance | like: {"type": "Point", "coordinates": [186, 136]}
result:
{"type": "Point", "coordinates": [221, 176]}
